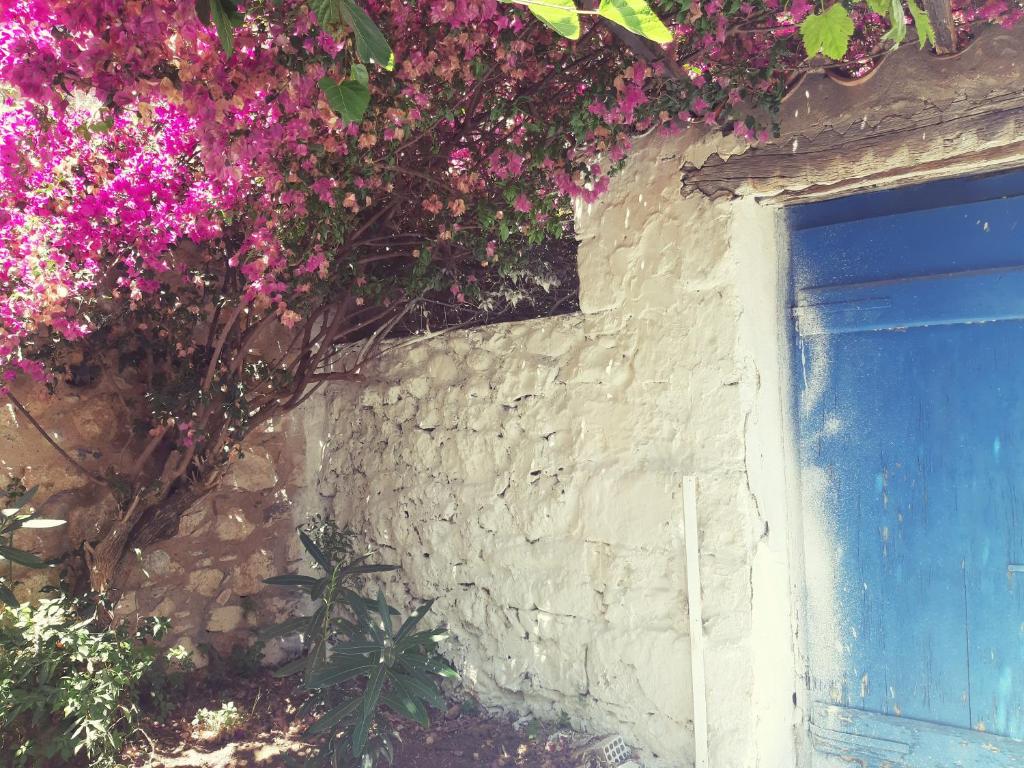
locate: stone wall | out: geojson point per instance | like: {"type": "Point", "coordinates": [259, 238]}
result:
{"type": "Point", "coordinates": [208, 578]}
{"type": "Point", "coordinates": [529, 476]}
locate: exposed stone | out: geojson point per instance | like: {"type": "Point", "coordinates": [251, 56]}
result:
{"type": "Point", "coordinates": [232, 525]}
{"type": "Point", "coordinates": [225, 618]}
{"type": "Point", "coordinates": [127, 605]}
{"type": "Point", "coordinates": [158, 563]}
{"type": "Point", "coordinates": [196, 519]}
{"type": "Point", "coordinates": [253, 472]}
{"type": "Point", "coordinates": [247, 578]}
{"type": "Point", "coordinates": [206, 581]}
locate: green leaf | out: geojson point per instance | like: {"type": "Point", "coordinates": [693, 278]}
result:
{"type": "Point", "coordinates": [328, 12]}
{"type": "Point", "coordinates": [637, 17]}
{"type": "Point", "coordinates": [289, 627]}
{"type": "Point", "coordinates": [384, 610]}
{"type": "Point", "coordinates": [898, 31]}
{"type": "Point", "coordinates": [203, 11]}
{"type": "Point", "coordinates": [560, 15]}
{"type": "Point", "coordinates": [226, 17]}
{"type": "Point", "coordinates": [369, 709]}
{"type": "Point", "coordinates": [339, 671]}
{"type": "Point", "coordinates": [289, 669]}
{"type": "Point", "coordinates": [6, 596]}
{"type": "Point", "coordinates": [371, 44]}
{"type": "Point", "coordinates": [415, 686]}
{"type": "Point", "coordinates": [881, 7]}
{"type": "Point", "coordinates": [359, 570]}
{"type": "Point", "coordinates": [406, 706]}
{"type": "Point", "coordinates": [414, 618]}
{"type": "Point", "coordinates": [315, 552]}
{"type": "Point", "coordinates": [349, 99]}
{"type": "Point", "coordinates": [21, 557]}
{"type": "Point", "coordinates": [828, 32]}
{"type": "Point", "coordinates": [330, 720]}
{"type": "Point", "coordinates": [43, 523]}
{"type": "Point", "coordinates": [925, 30]}
{"type": "Point", "coordinates": [292, 580]}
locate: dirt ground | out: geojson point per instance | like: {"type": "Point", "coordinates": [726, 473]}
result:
{"type": "Point", "coordinates": [271, 736]}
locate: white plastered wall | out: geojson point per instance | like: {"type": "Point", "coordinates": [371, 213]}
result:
{"type": "Point", "coordinates": [529, 476]}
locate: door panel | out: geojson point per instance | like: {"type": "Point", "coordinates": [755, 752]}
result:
{"type": "Point", "coordinates": [909, 363]}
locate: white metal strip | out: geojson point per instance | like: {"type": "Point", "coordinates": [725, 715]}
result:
{"type": "Point", "coordinates": [691, 537]}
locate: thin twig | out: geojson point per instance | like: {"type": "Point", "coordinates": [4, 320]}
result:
{"type": "Point", "coordinates": [39, 428]}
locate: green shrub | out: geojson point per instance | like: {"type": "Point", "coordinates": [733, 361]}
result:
{"type": "Point", "coordinates": [68, 684]}
{"type": "Point", "coordinates": [211, 724]}
{"type": "Point", "coordinates": [15, 516]}
{"type": "Point", "coordinates": [166, 680]}
{"type": "Point", "coordinates": [352, 641]}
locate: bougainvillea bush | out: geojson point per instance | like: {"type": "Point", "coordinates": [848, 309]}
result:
{"type": "Point", "coordinates": [214, 198]}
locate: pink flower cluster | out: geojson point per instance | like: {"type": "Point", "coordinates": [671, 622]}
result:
{"type": "Point", "coordinates": [89, 210]}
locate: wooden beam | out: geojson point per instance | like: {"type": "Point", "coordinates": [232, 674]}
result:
{"type": "Point", "coordinates": [929, 143]}
{"type": "Point", "coordinates": [940, 13]}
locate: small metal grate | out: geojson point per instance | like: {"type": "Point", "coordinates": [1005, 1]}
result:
{"type": "Point", "coordinates": [614, 751]}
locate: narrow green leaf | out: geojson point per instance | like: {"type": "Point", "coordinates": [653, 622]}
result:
{"type": "Point", "coordinates": [414, 618]}
{"type": "Point", "coordinates": [560, 15]}
{"type": "Point", "coordinates": [44, 522]}
{"type": "Point", "coordinates": [315, 552]}
{"type": "Point", "coordinates": [225, 18]}
{"type": "Point", "coordinates": [419, 686]}
{"type": "Point", "coordinates": [370, 698]}
{"type": "Point", "coordinates": [881, 7]}
{"type": "Point", "coordinates": [355, 649]}
{"type": "Point", "coordinates": [289, 669]}
{"type": "Point", "coordinates": [203, 11]}
{"type": "Point", "coordinates": [371, 45]}
{"type": "Point", "coordinates": [330, 720]}
{"type": "Point", "coordinates": [406, 706]}
{"type": "Point", "coordinates": [339, 671]}
{"type": "Point", "coordinates": [6, 596]}
{"type": "Point", "coordinates": [384, 611]}
{"type": "Point", "coordinates": [898, 31]}
{"type": "Point", "coordinates": [291, 580]}
{"type": "Point", "coordinates": [828, 32]}
{"type": "Point", "coordinates": [637, 17]}
{"type": "Point", "coordinates": [363, 569]}
{"type": "Point", "coordinates": [21, 557]}
{"type": "Point", "coordinates": [923, 24]}
{"type": "Point", "coordinates": [288, 627]}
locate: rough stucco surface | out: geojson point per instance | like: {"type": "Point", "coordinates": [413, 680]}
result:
{"type": "Point", "coordinates": [528, 476]}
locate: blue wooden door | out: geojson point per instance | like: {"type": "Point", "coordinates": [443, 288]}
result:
{"type": "Point", "coordinates": [909, 369]}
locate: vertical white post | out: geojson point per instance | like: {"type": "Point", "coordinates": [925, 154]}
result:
{"type": "Point", "coordinates": [693, 592]}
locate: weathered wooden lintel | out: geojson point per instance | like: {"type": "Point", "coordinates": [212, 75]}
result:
{"type": "Point", "coordinates": [933, 144]}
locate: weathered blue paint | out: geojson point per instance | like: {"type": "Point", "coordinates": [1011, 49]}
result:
{"type": "Point", "coordinates": [909, 358]}
{"type": "Point", "coordinates": [898, 741]}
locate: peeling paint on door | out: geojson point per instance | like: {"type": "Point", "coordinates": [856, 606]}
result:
{"type": "Point", "coordinates": [911, 435]}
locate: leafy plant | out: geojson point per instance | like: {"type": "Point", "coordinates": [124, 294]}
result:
{"type": "Point", "coordinates": [219, 722]}
{"type": "Point", "coordinates": [352, 641]}
{"type": "Point", "coordinates": [69, 686]}
{"type": "Point", "coordinates": [15, 517]}
{"type": "Point", "coordinates": [166, 679]}
{"type": "Point", "coordinates": [337, 542]}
